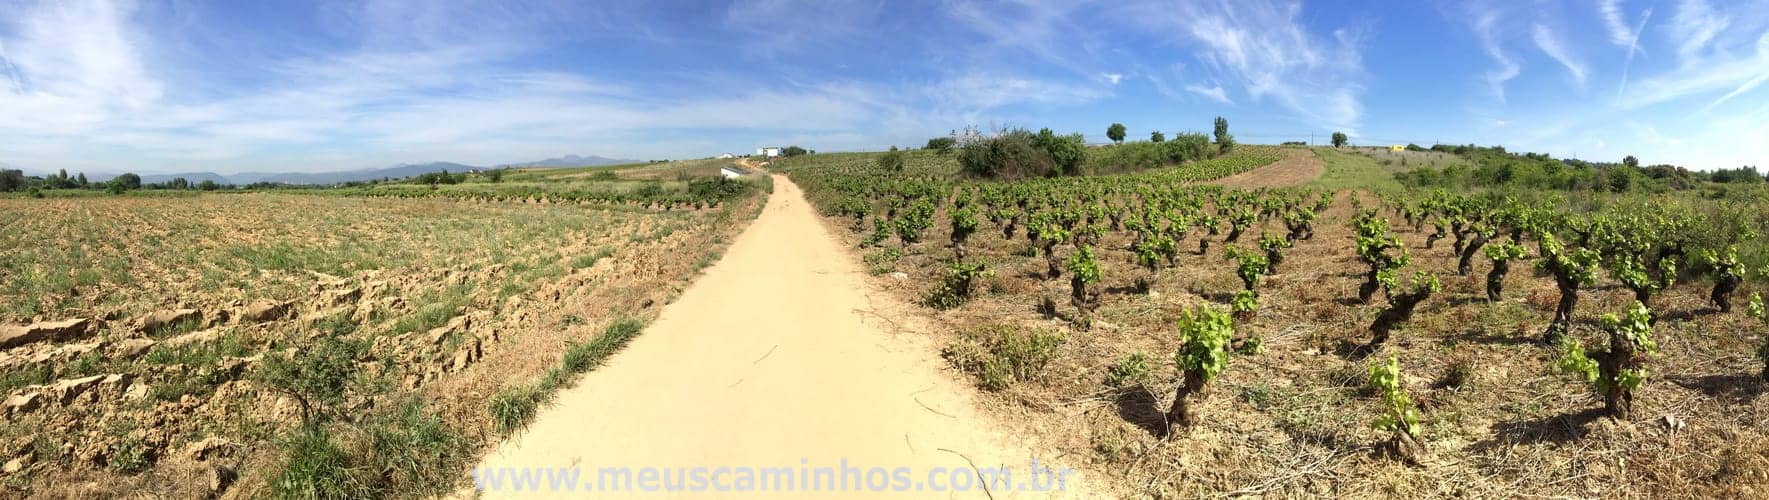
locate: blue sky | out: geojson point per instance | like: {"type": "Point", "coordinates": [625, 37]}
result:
{"type": "Point", "coordinates": [108, 85]}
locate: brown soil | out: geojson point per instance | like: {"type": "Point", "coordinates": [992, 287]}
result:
{"type": "Point", "coordinates": [1299, 166]}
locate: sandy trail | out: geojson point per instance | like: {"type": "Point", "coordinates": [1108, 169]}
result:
{"type": "Point", "coordinates": [773, 358]}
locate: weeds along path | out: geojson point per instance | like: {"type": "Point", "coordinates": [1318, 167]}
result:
{"type": "Point", "coordinates": [774, 358]}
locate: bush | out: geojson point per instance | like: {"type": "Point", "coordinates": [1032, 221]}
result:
{"type": "Point", "coordinates": [956, 288]}
{"type": "Point", "coordinates": [1066, 151]}
{"type": "Point", "coordinates": [941, 144]}
{"type": "Point", "coordinates": [891, 161]}
{"type": "Point", "coordinates": [1019, 153]}
{"type": "Point", "coordinates": [791, 151]}
{"type": "Point", "coordinates": [439, 177]}
{"type": "Point", "coordinates": [317, 376]}
{"type": "Point", "coordinates": [1128, 371]}
{"type": "Point", "coordinates": [1010, 155]}
{"type": "Point", "coordinates": [999, 355]}
{"type": "Point", "coordinates": [882, 261]}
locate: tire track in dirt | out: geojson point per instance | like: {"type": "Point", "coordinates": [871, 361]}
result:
{"type": "Point", "coordinates": [1299, 166]}
{"type": "Point", "coordinates": [770, 360]}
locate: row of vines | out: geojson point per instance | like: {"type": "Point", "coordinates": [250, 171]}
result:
{"type": "Point", "coordinates": [1148, 221]}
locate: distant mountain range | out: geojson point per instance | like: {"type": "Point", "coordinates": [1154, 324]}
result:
{"type": "Point", "coordinates": [335, 177]}
{"type": "Point", "coordinates": [572, 161]}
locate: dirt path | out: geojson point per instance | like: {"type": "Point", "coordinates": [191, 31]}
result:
{"type": "Point", "coordinates": [1299, 166]}
{"type": "Point", "coordinates": [774, 358]}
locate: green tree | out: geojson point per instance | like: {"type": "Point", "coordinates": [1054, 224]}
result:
{"type": "Point", "coordinates": [1224, 140]}
{"type": "Point", "coordinates": [791, 151]}
{"type": "Point", "coordinates": [941, 144]}
{"type": "Point", "coordinates": [1631, 161]}
{"type": "Point", "coordinates": [208, 185]}
{"type": "Point", "coordinates": [1157, 136]}
{"type": "Point", "coordinates": [1339, 139]}
{"type": "Point", "coordinates": [1115, 132]}
{"type": "Point", "coordinates": [127, 181]}
{"type": "Point", "coordinates": [11, 180]}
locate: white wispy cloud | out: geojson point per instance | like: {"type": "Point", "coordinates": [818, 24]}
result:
{"type": "Point", "coordinates": [1552, 46]}
{"type": "Point", "coordinates": [1213, 92]}
{"type": "Point", "coordinates": [1735, 74]}
{"type": "Point", "coordinates": [1694, 26]}
{"type": "Point", "coordinates": [1486, 29]}
{"type": "Point", "coordinates": [1620, 33]}
{"type": "Point", "coordinates": [1265, 48]}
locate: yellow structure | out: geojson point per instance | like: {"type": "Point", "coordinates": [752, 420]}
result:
{"type": "Point", "coordinates": [1397, 147]}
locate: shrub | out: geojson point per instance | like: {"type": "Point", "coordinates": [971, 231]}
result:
{"type": "Point", "coordinates": [999, 355]}
{"type": "Point", "coordinates": [318, 376]}
{"type": "Point", "coordinates": [1019, 153]}
{"type": "Point", "coordinates": [1399, 416]}
{"type": "Point", "coordinates": [1571, 269]}
{"type": "Point", "coordinates": [791, 151]}
{"type": "Point", "coordinates": [1616, 372]}
{"type": "Point", "coordinates": [882, 261]}
{"type": "Point", "coordinates": [1083, 270]}
{"type": "Point", "coordinates": [1204, 335]}
{"type": "Point", "coordinates": [956, 288]}
{"type": "Point", "coordinates": [1501, 254]}
{"type": "Point", "coordinates": [438, 177]}
{"type": "Point", "coordinates": [891, 161]}
{"type": "Point", "coordinates": [941, 144]}
{"type": "Point", "coordinates": [1728, 274]}
{"type": "Point", "coordinates": [1400, 304]}
{"type": "Point", "coordinates": [1128, 371]}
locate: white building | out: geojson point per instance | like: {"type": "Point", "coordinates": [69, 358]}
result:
{"type": "Point", "coordinates": [768, 152]}
{"type": "Point", "coordinates": [727, 156]}
{"type": "Point", "coordinates": [732, 172]}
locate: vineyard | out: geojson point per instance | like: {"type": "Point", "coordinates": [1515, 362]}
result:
{"type": "Point", "coordinates": [1193, 339]}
